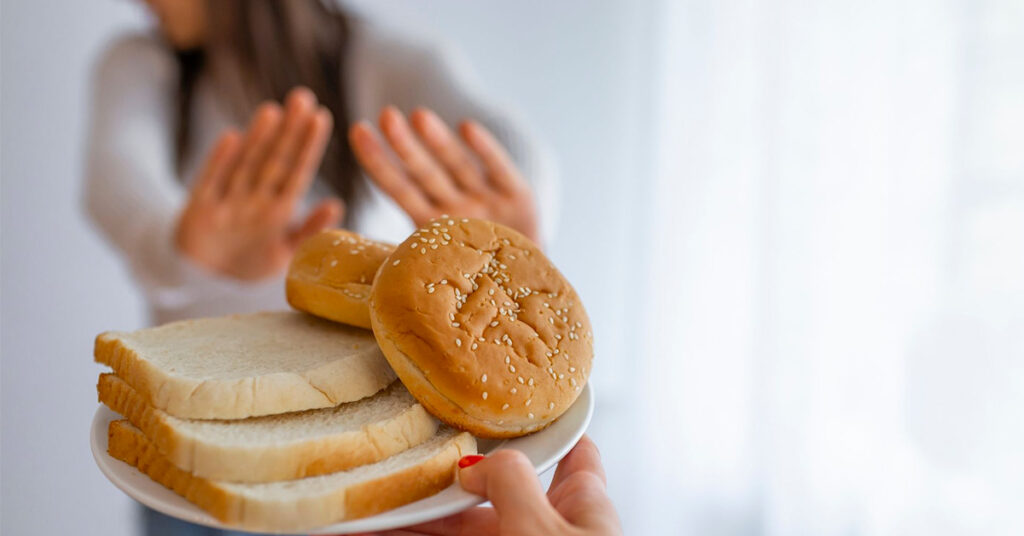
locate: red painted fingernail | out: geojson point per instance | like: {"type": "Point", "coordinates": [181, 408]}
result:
{"type": "Point", "coordinates": [466, 461]}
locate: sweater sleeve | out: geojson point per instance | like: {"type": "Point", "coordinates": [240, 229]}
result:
{"type": "Point", "coordinates": [131, 191]}
{"type": "Point", "coordinates": [391, 69]}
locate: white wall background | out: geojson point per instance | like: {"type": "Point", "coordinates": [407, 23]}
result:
{"type": "Point", "coordinates": [811, 303]}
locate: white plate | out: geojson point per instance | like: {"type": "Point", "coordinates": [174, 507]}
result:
{"type": "Point", "coordinates": [545, 449]}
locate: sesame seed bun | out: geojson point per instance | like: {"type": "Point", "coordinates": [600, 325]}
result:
{"type": "Point", "coordinates": [331, 273]}
{"type": "Point", "coordinates": [481, 327]}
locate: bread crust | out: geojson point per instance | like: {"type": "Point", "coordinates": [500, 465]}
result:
{"type": "Point", "coordinates": [261, 463]}
{"type": "Point", "coordinates": [331, 273]}
{"type": "Point", "coordinates": [359, 499]}
{"type": "Point", "coordinates": [481, 327]}
{"type": "Point", "coordinates": [329, 384]}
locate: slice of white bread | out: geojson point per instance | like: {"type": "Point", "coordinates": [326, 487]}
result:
{"type": "Point", "coordinates": [240, 366]}
{"type": "Point", "coordinates": [298, 505]}
{"type": "Point", "coordinates": [278, 447]}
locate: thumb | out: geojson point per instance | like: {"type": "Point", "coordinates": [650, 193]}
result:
{"type": "Point", "coordinates": [326, 214]}
{"type": "Point", "coordinates": [507, 479]}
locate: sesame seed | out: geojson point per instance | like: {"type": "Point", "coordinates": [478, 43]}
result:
{"type": "Point", "coordinates": [512, 369]}
{"type": "Point", "coordinates": [455, 324]}
{"type": "Point", "coordinates": [504, 407]}
{"type": "Point", "coordinates": [444, 281]}
{"type": "Point", "coordinates": [572, 369]}
{"type": "Point", "coordinates": [458, 342]}
{"type": "Point", "coordinates": [494, 324]}
{"type": "Point", "coordinates": [513, 390]}
{"type": "Point", "coordinates": [490, 292]}
{"type": "Point", "coordinates": [334, 262]}
{"type": "Point", "coordinates": [548, 354]}
{"type": "Point", "coordinates": [529, 401]}
{"type": "Point", "coordinates": [484, 395]}
{"type": "Point", "coordinates": [483, 378]}
{"type": "Point", "coordinates": [520, 379]}
{"type": "Point", "coordinates": [551, 320]}
{"type": "Point", "coordinates": [572, 381]}
{"type": "Point", "coordinates": [551, 405]}
{"type": "Point", "coordinates": [561, 376]}
{"type": "Point", "coordinates": [473, 347]}
{"type": "Point", "coordinates": [507, 359]}
{"type": "Point", "coordinates": [430, 290]}
{"type": "Point", "coordinates": [530, 415]}
{"type": "Point", "coordinates": [396, 262]}
{"type": "Point", "coordinates": [530, 383]}
{"type": "Point", "coordinates": [336, 242]}
{"type": "Point", "coordinates": [464, 220]}
{"type": "Point", "coordinates": [423, 251]}
{"type": "Point", "coordinates": [433, 246]}
{"type": "Point", "coordinates": [451, 222]}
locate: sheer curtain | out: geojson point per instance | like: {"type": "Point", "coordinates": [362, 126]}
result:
{"type": "Point", "coordinates": [835, 290]}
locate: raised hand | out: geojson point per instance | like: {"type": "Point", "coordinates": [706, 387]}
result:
{"type": "Point", "coordinates": [575, 504]}
{"type": "Point", "coordinates": [437, 172]}
{"type": "Point", "coordinates": [237, 221]}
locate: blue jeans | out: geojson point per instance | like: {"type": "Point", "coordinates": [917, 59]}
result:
{"type": "Point", "coordinates": [156, 524]}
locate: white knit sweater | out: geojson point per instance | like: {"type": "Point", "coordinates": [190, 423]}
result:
{"type": "Point", "coordinates": [134, 196]}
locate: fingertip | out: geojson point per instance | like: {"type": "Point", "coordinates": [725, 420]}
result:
{"type": "Point", "coordinates": [324, 117]}
{"type": "Point", "coordinates": [266, 111]}
{"type": "Point", "coordinates": [586, 443]}
{"type": "Point", "coordinates": [230, 138]}
{"type": "Point", "coordinates": [360, 134]}
{"type": "Point", "coordinates": [389, 119]}
{"type": "Point", "coordinates": [421, 115]}
{"type": "Point", "coordinates": [300, 97]}
{"type": "Point", "coordinates": [335, 209]}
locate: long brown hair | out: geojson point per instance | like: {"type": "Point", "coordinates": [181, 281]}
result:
{"type": "Point", "coordinates": [260, 49]}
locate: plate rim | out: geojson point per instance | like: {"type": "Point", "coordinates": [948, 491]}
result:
{"type": "Point", "coordinates": [542, 460]}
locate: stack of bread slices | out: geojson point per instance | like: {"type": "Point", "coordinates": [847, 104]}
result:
{"type": "Point", "coordinates": [291, 420]}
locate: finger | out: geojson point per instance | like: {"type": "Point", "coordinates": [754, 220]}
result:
{"type": "Point", "coordinates": [418, 161]}
{"type": "Point", "coordinates": [311, 152]}
{"type": "Point", "coordinates": [583, 502]}
{"type": "Point", "coordinates": [584, 457]}
{"type": "Point", "coordinates": [447, 148]}
{"type": "Point", "coordinates": [508, 480]}
{"type": "Point", "coordinates": [300, 105]}
{"type": "Point", "coordinates": [262, 130]}
{"type": "Point", "coordinates": [479, 521]}
{"type": "Point", "coordinates": [499, 166]}
{"type": "Point", "coordinates": [326, 214]}
{"type": "Point", "coordinates": [391, 179]}
{"type": "Point", "coordinates": [210, 184]}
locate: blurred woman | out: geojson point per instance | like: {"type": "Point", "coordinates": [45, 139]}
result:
{"type": "Point", "coordinates": [219, 143]}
